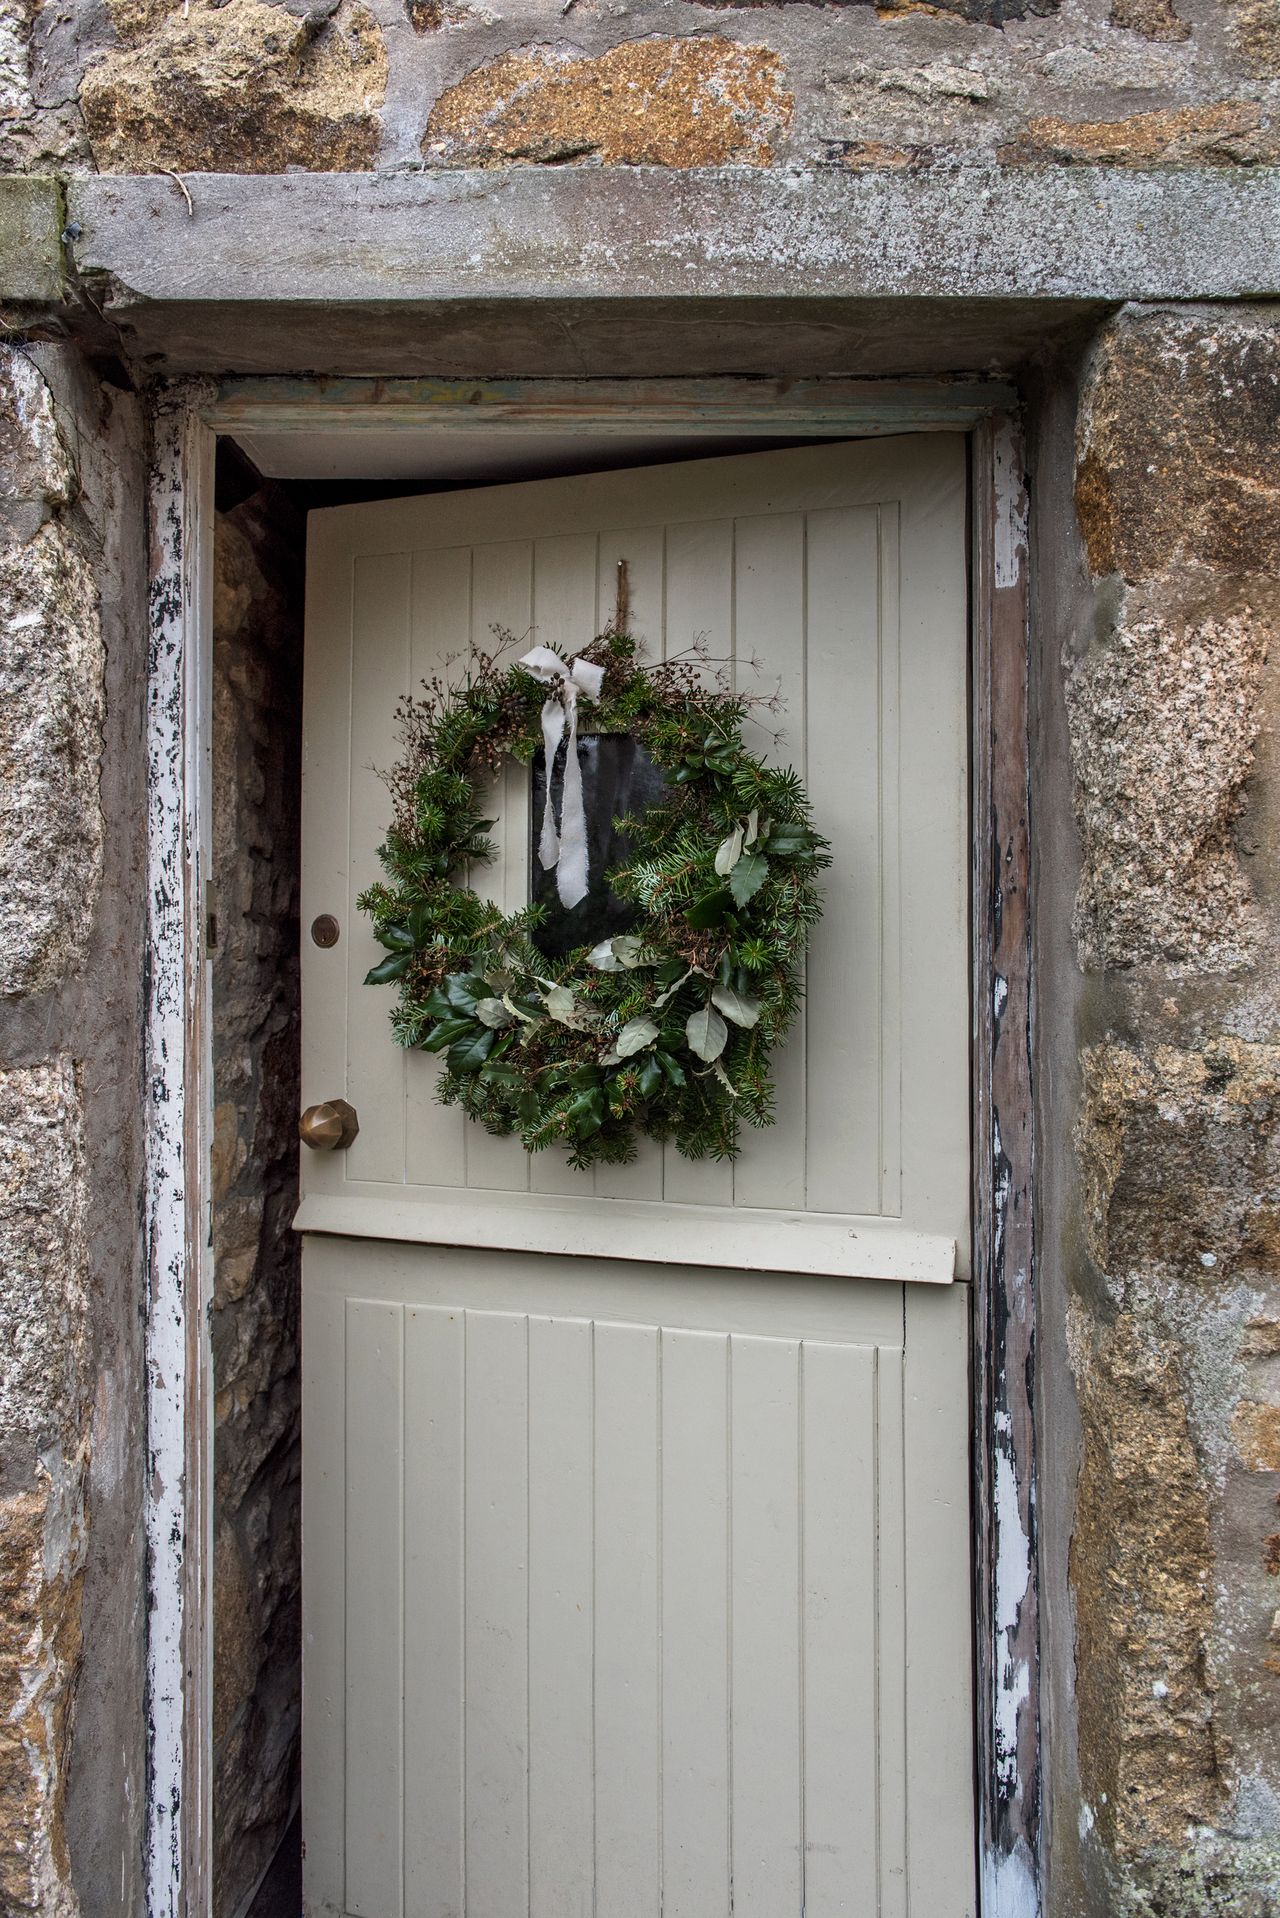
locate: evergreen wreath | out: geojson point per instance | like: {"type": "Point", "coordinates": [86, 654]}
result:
{"type": "Point", "coordinates": [663, 1031]}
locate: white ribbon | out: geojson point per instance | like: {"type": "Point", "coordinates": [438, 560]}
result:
{"type": "Point", "coordinates": [567, 849]}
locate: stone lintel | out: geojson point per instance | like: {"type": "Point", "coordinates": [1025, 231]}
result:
{"type": "Point", "coordinates": [968, 232]}
{"type": "Point", "coordinates": [31, 220]}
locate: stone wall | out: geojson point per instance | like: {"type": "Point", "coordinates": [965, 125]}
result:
{"type": "Point", "coordinates": [257, 734]}
{"type": "Point", "coordinates": [247, 86]}
{"type": "Point", "coordinates": [1162, 1218]}
{"type": "Point", "coordinates": [72, 664]}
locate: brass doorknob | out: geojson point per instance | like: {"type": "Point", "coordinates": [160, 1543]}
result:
{"type": "Point", "coordinates": [329, 1127]}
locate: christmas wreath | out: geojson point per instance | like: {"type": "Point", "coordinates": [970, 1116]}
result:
{"type": "Point", "coordinates": [664, 1029]}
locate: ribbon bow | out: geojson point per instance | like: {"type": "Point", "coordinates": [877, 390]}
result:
{"type": "Point", "coordinates": [567, 849]}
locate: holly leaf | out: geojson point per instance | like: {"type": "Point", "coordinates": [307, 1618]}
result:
{"type": "Point", "coordinates": [728, 852]}
{"type": "Point", "coordinates": [635, 1036]}
{"type": "Point", "coordinates": [737, 1006]}
{"type": "Point", "coordinates": [393, 967]}
{"type": "Point", "coordinates": [672, 1067]}
{"type": "Point", "coordinates": [786, 841]}
{"type": "Point", "coordinates": [527, 1110]}
{"type": "Point", "coordinates": [437, 1006]}
{"type": "Point", "coordinates": [466, 990]}
{"type": "Point", "coordinates": [448, 1033]}
{"type": "Point", "coordinates": [748, 876]}
{"type": "Point", "coordinates": [395, 938]}
{"type": "Point", "coordinates": [650, 1077]}
{"type": "Point", "coordinates": [711, 909]}
{"type": "Point", "coordinates": [707, 1033]}
{"type": "Point", "coordinates": [560, 1005]}
{"type": "Point", "coordinates": [753, 827]}
{"type": "Point", "coordinates": [469, 1054]}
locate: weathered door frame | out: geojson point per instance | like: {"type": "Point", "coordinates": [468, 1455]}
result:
{"type": "Point", "coordinates": [189, 416]}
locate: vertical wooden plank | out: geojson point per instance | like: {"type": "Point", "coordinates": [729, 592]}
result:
{"type": "Point", "coordinates": [939, 1697]}
{"type": "Point", "coordinates": [379, 679]}
{"type": "Point", "coordinates": [324, 1578]}
{"type": "Point", "coordinates": [434, 1836]}
{"type": "Point", "coordinates": [897, 832]}
{"type": "Point", "coordinates": [768, 1851]}
{"type": "Point", "coordinates": [502, 597]}
{"type": "Point", "coordinates": [564, 616]}
{"type": "Point", "coordinates": [841, 1750]}
{"type": "Point", "coordinates": [695, 1625]}
{"type": "Point", "coordinates": [439, 620]}
{"type": "Point", "coordinates": [933, 792]}
{"type": "Point", "coordinates": [497, 1614]}
{"type": "Point", "coordinates": [1004, 1319]}
{"type": "Point", "coordinates": [892, 1648]}
{"type": "Point", "coordinates": [699, 606]}
{"type": "Point", "coordinates": [326, 850]}
{"type": "Point", "coordinates": [627, 1691]}
{"type": "Point", "coordinates": [374, 1616]}
{"type": "Point", "coordinates": [769, 597]}
{"type": "Point", "coordinates": [844, 1051]}
{"type": "Point", "coordinates": [643, 550]}
{"type": "Point", "coordinates": [561, 1541]}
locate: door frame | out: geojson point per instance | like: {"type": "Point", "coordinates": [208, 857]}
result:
{"type": "Point", "coordinates": [189, 416]}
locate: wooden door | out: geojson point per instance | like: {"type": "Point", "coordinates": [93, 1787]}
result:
{"type": "Point", "coordinates": [636, 1572]}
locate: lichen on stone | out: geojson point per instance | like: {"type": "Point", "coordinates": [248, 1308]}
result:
{"type": "Point", "coordinates": [51, 718]}
{"type": "Point", "coordinates": [1164, 715]}
{"type": "Point", "coordinates": [703, 101]}
{"type": "Point", "coordinates": [1153, 19]}
{"type": "Point", "coordinates": [243, 87]}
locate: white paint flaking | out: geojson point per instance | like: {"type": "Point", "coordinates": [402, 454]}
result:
{"type": "Point", "coordinates": [168, 855]}
{"type": "Point", "coordinates": [1009, 1885]}
{"type": "Point", "coordinates": [1010, 540]}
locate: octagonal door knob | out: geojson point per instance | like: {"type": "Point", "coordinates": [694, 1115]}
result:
{"type": "Point", "coordinates": [329, 1127]}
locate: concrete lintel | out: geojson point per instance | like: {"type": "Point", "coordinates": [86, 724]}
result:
{"type": "Point", "coordinates": [987, 232]}
{"type": "Point", "coordinates": [31, 218]}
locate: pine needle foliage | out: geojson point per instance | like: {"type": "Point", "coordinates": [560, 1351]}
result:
{"type": "Point", "coordinates": [665, 1032]}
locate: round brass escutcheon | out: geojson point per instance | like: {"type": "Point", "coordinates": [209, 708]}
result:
{"type": "Point", "coordinates": [324, 930]}
{"type": "Point", "coordinates": [329, 1127]}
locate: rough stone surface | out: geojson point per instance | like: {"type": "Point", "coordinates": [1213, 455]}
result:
{"type": "Point", "coordinates": [241, 87]}
{"type": "Point", "coordinates": [51, 710]}
{"type": "Point", "coordinates": [1164, 718]}
{"type": "Point", "coordinates": [44, 1302]}
{"type": "Point", "coordinates": [1178, 452]}
{"type": "Point", "coordinates": [255, 1327]}
{"type": "Point", "coordinates": [1226, 133]}
{"type": "Point", "coordinates": [658, 102]}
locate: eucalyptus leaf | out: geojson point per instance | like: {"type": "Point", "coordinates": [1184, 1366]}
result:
{"type": "Point", "coordinates": [743, 1011]}
{"type": "Point", "coordinates": [634, 1037]}
{"type": "Point", "coordinates": [748, 876]}
{"type": "Point", "coordinates": [630, 951]}
{"type": "Point", "coordinates": [492, 1012]}
{"type": "Point", "coordinates": [707, 1033]}
{"type": "Point", "coordinates": [604, 958]}
{"type": "Point", "coordinates": [728, 852]}
{"type": "Point", "coordinates": [672, 989]}
{"type": "Point", "coordinates": [560, 1004]}
{"type": "Point", "coordinates": [753, 827]}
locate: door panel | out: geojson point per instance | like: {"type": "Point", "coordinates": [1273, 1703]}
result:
{"type": "Point", "coordinates": [635, 1504]}
{"type": "Point", "coordinates": [830, 581]}
{"type": "Point", "coordinates": [655, 1584]}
